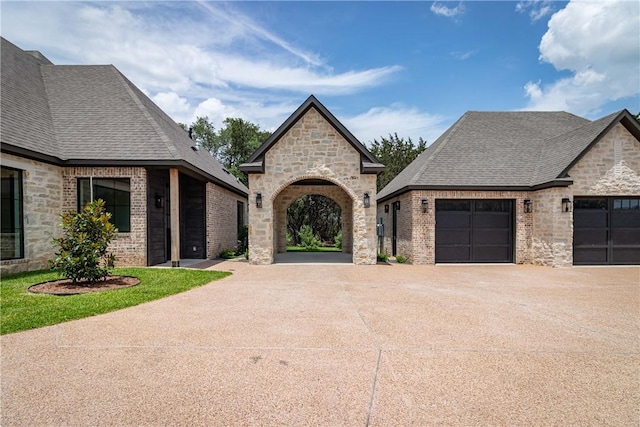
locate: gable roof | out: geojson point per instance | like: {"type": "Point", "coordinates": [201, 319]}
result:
{"type": "Point", "coordinates": [86, 115]}
{"type": "Point", "coordinates": [506, 150]}
{"type": "Point", "coordinates": [368, 163]}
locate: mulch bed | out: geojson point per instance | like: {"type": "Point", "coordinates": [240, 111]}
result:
{"type": "Point", "coordinates": [67, 287]}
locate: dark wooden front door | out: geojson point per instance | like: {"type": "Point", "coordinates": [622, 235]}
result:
{"type": "Point", "coordinates": [606, 230]}
{"type": "Point", "coordinates": [394, 218]}
{"type": "Point", "coordinates": [474, 231]}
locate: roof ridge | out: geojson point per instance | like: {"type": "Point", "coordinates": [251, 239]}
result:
{"type": "Point", "coordinates": [440, 144]}
{"type": "Point", "coordinates": [156, 127]}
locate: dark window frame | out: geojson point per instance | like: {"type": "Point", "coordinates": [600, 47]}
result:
{"type": "Point", "coordinates": [20, 218]}
{"type": "Point", "coordinates": [109, 206]}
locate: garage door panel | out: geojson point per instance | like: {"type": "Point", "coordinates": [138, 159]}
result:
{"type": "Point", "coordinates": [597, 236]}
{"type": "Point", "coordinates": [606, 230]}
{"type": "Point", "coordinates": [454, 220]}
{"type": "Point", "coordinates": [474, 230]}
{"type": "Point", "coordinates": [591, 218]}
{"type": "Point", "coordinates": [453, 254]}
{"type": "Point", "coordinates": [491, 253]}
{"type": "Point", "coordinates": [492, 236]}
{"type": "Point", "coordinates": [627, 236]}
{"type": "Point", "coordinates": [626, 256]}
{"type": "Point", "coordinates": [590, 256]}
{"type": "Point", "coordinates": [496, 220]}
{"type": "Point", "coordinates": [626, 219]}
{"type": "Point", "coordinates": [454, 237]}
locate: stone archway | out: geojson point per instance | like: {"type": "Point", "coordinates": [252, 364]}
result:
{"type": "Point", "coordinates": [311, 187]}
{"type": "Point", "coordinates": [311, 149]}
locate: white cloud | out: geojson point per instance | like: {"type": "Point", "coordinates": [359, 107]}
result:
{"type": "Point", "coordinates": [449, 12]}
{"type": "Point", "coordinates": [537, 9]}
{"type": "Point", "coordinates": [598, 43]}
{"type": "Point", "coordinates": [407, 122]}
{"type": "Point", "coordinates": [463, 56]}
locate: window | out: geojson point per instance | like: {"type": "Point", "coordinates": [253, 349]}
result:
{"type": "Point", "coordinates": [626, 204]}
{"type": "Point", "coordinates": [12, 232]}
{"type": "Point", "coordinates": [116, 193]}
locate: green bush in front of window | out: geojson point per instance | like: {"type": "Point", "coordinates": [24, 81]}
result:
{"type": "Point", "coordinates": [83, 254]}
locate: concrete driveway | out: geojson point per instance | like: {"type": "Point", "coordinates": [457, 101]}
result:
{"type": "Point", "coordinates": [349, 345]}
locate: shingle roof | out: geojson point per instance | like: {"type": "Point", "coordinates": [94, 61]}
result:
{"type": "Point", "coordinates": [369, 164]}
{"type": "Point", "coordinates": [504, 150]}
{"type": "Point", "coordinates": [92, 114]}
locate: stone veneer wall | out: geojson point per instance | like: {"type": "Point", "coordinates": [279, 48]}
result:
{"type": "Point", "coordinates": [417, 229]}
{"type": "Point", "coordinates": [42, 206]}
{"type": "Point", "coordinates": [292, 193]}
{"type": "Point", "coordinates": [222, 219]}
{"type": "Point", "coordinates": [130, 248]}
{"type": "Point", "coordinates": [311, 149]}
{"type": "Point", "coordinates": [610, 168]}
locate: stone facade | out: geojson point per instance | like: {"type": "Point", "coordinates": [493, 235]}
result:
{"type": "Point", "coordinates": [311, 149]}
{"type": "Point", "coordinates": [130, 248]}
{"type": "Point", "coordinates": [222, 219]}
{"type": "Point", "coordinates": [42, 206]}
{"type": "Point", "coordinates": [545, 237]}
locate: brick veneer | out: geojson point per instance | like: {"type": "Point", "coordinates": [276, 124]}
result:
{"type": "Point", "coordinates": [311, 149]}
{"type": "Point", "coordinates": [42, 205]}
{"type": "Point", "coordinates": [130, 248]}
{"type": "Point", "coordinates": [222, 219]}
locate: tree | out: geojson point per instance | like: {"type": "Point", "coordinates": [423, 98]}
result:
{"type": "Point", "coordinates": [396, 154]}
{"type": "Point", "coordinates": [321, 214]}
{"type": "Point", "coordinates": [637, 117]}
{"type": "Point", "coordinates": [232, 144]}
{"type": "Point", "coordinates": [83, 252]}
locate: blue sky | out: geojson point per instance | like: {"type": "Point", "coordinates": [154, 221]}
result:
{"type": "Point", "coordinates": [380, 67]}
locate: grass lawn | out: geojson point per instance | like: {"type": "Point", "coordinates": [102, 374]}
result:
{"type": "Point", "coordinates": [319, 249]}
{"type": "Point", "coordinates": [22, 310]}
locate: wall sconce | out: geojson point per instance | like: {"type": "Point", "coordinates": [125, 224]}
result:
{"type": "Point", "coordinates": [367, 200]}
{"type": "Point", "coordinates": [386, 208]}
{"type": "Point", "coordinates": [259, 200]}
{"type": "Point", "coordinates": [566, 204]}
{"type": "Point", "coordinates": [425, 205]}
{"type": "Point", "coordinates": [159, 200]}
{"type": "Point", "coordinates": [397, 204]}
{"type": "Point", "coordinates": [528, 207]}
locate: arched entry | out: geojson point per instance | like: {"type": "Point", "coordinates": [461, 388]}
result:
{"type": "Point", "coordinates": [306, 187]}
{"type": "Point", "coordinates": [311, 153]}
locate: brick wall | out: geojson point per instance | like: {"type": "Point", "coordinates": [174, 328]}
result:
{"type": "Point", "coordinates": [42, 206]}
{"type": "Point", "coordinates": [311, 149]}
{"type": "Point", "coordinates": [222, 219]}
{"type": "Point", "coordinates": [130, 248]}
{"type": "Point", "coordinates": [416, 229]}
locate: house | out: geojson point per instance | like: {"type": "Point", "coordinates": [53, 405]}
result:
{"type": "Point", "coordinates": [72, 133]}
{"type": "Point", "coordinates": [311, 153]}
{"type": "Point", "coordinates": [547, 188]}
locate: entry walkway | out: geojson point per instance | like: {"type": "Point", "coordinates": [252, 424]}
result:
{"type": "Point", "coordinates": [313, 258]}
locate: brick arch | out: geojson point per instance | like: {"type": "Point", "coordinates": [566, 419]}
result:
{"type": "Point", "coordinates": [286, 196]}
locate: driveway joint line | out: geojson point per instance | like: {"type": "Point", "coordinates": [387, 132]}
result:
{"type": "Point", "coordinates": [373, 389]}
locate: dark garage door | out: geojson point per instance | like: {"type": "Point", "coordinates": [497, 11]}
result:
{"type": "Point", "coordinates": [606, 230]}
{"type": "Point", "coordinates": [474, 231]}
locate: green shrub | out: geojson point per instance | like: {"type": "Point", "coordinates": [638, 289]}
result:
{"type": "Point", "coordinates": [308, 240]}
{"type": "Point", "coordinates": [338, 240]}
{"type": "Point", "coordinates": [246, 254]}
{"type": "Point", "coordinates": [83, 253]}
{"type": "Point", "coordinates": [401, 259]}
{"type": "Point", "coordinates": [227, 254]}
{"type": "Point", "coordinates": [289, 239]}
{"type": "Point", "coordinates": [383, 257]}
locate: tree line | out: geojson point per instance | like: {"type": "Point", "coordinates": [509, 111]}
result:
{"type": "Point", "coordinates": [237, 139]}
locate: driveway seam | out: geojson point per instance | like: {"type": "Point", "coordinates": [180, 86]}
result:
{"type": "Point", "coordinates": [373, 389]}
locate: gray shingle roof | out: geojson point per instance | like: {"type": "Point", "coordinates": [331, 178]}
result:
{"type": "Point", "coordinates": [503, 150]}
{"type": "Point", "coordinates": [92, 114]}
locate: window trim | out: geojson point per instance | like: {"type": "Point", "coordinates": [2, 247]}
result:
{"type": "Point", "coordinates": [21, 254]}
